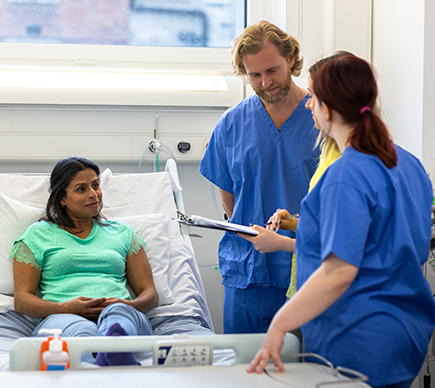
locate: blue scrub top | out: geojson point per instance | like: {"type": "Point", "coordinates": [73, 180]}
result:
{"type": "Point", "coordinates": [378, 220]}
{"type": "Point", "coordinates": [265, 168]}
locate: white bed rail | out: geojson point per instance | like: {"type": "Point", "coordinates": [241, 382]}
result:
{"type": "Point", "coordinates": [25, 352]}
{"type": "Point", "coordinates": [171, 168]}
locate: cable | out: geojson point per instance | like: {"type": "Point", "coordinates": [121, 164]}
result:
{"type": "Point", "coordinates": [156, 141]}
{"type": "Point", "coordinates": [430, 261]}
{"type": "Point", "coordinates": [207, 265]}
{"type": "Point", "coordinates": [172, 154]}
{"type": "Point", "coordinates": [336, 372]}
{"type": "Point", "coordinates": [279, 380]}
{"type": "Point", "coordinates": [152, 147]}
{"type": "Point", "coordinates": [140, 161]}
{"type": "Point", "coordinates": [344, 380]}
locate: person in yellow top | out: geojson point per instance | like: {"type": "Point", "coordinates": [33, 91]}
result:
{"type": "Point", "coordinates": [282, 219]}
{"type": "Point", "coordinates": [328, 156]}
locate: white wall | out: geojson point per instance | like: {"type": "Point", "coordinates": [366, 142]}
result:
{"type": "Point", "coordinates": [429, 90]}
{"type": "Point", "coordinates": [117, 133]}
{"type": "Point", "coordinates": [403, 55]}
{"type": "Point", "coordinates": [398, 27]}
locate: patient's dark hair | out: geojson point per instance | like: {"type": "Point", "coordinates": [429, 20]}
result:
{"type": "Point", "coordinates": [63, 173]}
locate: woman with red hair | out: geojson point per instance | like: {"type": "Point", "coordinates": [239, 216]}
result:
{"type": "Point", "coordinates": [363, 235]}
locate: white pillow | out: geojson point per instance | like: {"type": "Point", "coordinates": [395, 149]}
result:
{"type": "Point", "coordinates": [153, 229]}
{"type": "Point", "coordinates": [15, 218]}
{"type": "Point", "coordinates": [30, 190]}
{"type": "Point", "coordinates": [131, 194]}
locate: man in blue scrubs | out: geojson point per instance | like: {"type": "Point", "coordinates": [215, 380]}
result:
{"type": "Point", "coordinates": [261, 156]}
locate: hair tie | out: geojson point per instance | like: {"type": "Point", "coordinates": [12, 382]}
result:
{"type": "Point", "coordinates": [363, 109]}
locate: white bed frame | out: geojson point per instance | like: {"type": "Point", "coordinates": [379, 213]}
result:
{"type": "Point", "coordinates": [296, 375]}
{"type": "Point", "coordinates": [171, 168]}
{"type": "Point", "coordinates": [25, 352]}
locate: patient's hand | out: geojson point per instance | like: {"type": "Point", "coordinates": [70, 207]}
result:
{"type": "Point", "coordinates": [85, 307]}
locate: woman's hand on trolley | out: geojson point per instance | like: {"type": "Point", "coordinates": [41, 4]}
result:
{"type": "Point", "coordinates": [270, 349]}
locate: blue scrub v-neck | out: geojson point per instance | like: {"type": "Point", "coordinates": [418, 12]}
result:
{"type": "Point", "coordinates": [270, 125]}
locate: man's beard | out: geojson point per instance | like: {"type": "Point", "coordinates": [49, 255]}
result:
{"type": "Point", "coordinates": [272, 99]}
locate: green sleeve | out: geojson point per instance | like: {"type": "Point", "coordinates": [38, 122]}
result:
{"type": "Point", "coordinates": [136, 244]}
{"type": "Point", "coordinates": [22, 254]}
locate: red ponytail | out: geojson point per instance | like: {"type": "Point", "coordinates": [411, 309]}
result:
{"type": "Point", "coordinates": [348, 86]}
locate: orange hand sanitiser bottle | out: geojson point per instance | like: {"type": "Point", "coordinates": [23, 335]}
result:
{"type": "Point", "coordinates": [54, 351]}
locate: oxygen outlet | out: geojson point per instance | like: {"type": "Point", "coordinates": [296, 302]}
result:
{"type": "Point", "coordinates": [183, 146]}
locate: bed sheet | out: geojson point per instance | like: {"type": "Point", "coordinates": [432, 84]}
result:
{"type": "Point", "coordinates": [12, 327]}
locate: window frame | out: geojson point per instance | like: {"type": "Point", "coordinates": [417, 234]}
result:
{"type": "Point", "coordinates": [43, 2]}
{"type": "Point", "coordinates": [197, 58]}
{"type": "Point", "coordinates": [38, 54]}
{"type": "Point", "coordinates": [96, 58]}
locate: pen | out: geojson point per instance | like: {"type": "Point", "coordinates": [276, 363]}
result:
{"type": "Point", "coordinates": [291, 216]}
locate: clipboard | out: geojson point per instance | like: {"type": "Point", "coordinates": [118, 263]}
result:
{"type": "Point", "coordinates": [203, 222]}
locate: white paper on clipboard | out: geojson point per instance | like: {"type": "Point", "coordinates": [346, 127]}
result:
{"type": "Point", "coordinates": [203, 222]}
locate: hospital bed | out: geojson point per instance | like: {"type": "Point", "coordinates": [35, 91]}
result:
{"type": "Point", "coordinates": [147, 202]}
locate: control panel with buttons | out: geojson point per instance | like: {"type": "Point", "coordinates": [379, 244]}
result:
{"type": "Point", "coordinates": [183, 353]}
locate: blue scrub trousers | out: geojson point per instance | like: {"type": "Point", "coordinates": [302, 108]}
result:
{"type": "Point", "coordinates": [251, 310]}
{"type": "Point", "coordinates": [132, 321]}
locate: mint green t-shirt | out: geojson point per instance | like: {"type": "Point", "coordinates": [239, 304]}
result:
{"type": "Point", "coordinates": [71, 267]}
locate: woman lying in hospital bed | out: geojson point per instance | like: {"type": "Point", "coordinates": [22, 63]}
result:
{"type": "Point", "coordinates": [183, 311]}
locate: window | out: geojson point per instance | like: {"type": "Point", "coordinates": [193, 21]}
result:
{"type": "Point", "coordinates": [173, 23]}
{"type": "Point", "coordinates": [60, 40]}
{"type": "Point", "coordinates": [33, 1]}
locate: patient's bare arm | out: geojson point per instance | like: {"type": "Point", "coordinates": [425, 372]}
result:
{"type": "Point", "coordinates": [26, 281]}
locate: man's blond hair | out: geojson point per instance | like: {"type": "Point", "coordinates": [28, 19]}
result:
{"type": "Point", "coordinates": [256, 37]}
